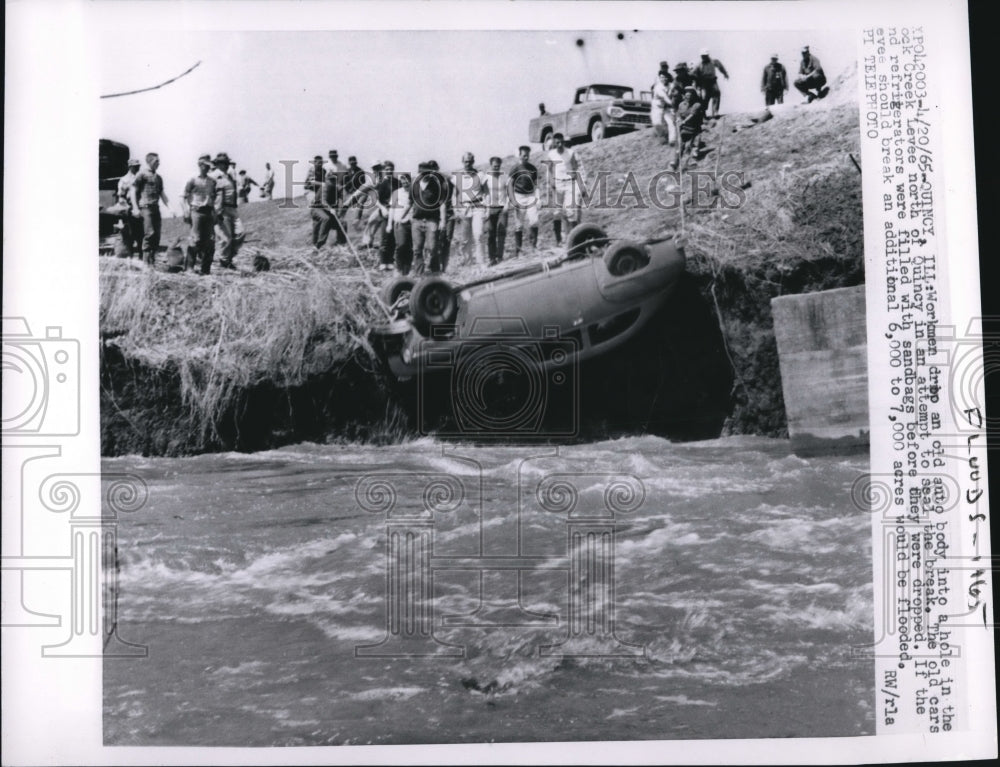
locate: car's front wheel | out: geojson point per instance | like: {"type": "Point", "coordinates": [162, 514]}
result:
{"type": "Point", "coordinates": [625, 257]}
{"type": "Point", "coordinates": [585, 240]}
{"type": "Point", "coordinates": [396, 294]}
{"type": "Point", "coordinates": [433, 302]}
{"type": "Point", "coordinates": [596, 130]}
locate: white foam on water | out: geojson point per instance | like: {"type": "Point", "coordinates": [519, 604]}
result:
{"type": "Point", "coordinates": [684, 700]}
{"type": "Point", "coordinates": [388, 693]}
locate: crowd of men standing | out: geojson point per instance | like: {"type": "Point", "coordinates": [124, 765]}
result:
{"type": "Point", "coordinates": [412, 220]}
{"type": "Point", "coordinates": [209, 205]}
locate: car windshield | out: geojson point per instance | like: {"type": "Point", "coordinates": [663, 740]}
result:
{"type": "Point", "coordinates": [607, 92]}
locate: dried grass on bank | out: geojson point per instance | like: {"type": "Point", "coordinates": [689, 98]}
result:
{"type": "Point", "coordinates": [231, 331]}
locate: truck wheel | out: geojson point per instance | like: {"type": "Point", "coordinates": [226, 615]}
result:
{"type": "Point", "coordinates": [433, 302]}
{"type": "Point", "coordinates": [625, 257]}
{"type": "Point", "coordinates": [596, 130]}
{"type": "Point", "coordinates": [546, 139]}
{"type": "Point", "coordinates": [585, 240]}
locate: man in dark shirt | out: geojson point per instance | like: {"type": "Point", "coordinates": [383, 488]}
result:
{"type": "Point", "coordinates": [427, 194]}
{"type": "Point", "coordinates": [321, 209]}
{"type": "Point", "coordinates": [383, 194]}
{"type": "Point", "coordinates": [690, 117]}
{"type": "Point", "coordinates": [442, 253]}
{"type": "Point", "coordinates": [774, 82]}
{"type": "Point", "coordinates": [147, 190]}
{"type": "Point", "coordinates": [811, 81]}
{"type": "Point", "coordinates": [524, 199]}
{"type": "Point", "coordinates": [199, 211]}
{"type": "Point", "coordinates": [354, 178]}
{"type": "Point", "coordinates": [706, 79]}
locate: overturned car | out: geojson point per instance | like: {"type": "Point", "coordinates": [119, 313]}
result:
{"type": "Point", "coordinates": [548, 314]}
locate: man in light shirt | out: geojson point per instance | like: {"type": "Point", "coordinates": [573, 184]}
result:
{"type": "Point", "coordinates": [227, 223]}
{"type": "Point", "coordinates": [470, 209]}
{"type": "Point", "coordinates": [566, 179]}
{"type": "Point", "coordinates": [131, 222]}
{"type": "Point", "coordinates": [199, 211]}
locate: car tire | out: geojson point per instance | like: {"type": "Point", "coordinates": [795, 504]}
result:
{"type": "Point", "coordinates": [546, 140]}
{"type": "Point", "coordinates": [596, 130]}
{"type": "Point", "coordinates": [584, 240]}
{"type": "Point", "coordinates": [433, 302]}
{"type": "Point", "coordinates": [392, 291]}
{"type": "Point", "coordinates": [625, 257]}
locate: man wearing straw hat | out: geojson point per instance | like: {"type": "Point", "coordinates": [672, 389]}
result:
{"type": "Point", "coordinates": [706, 78]}
{"type": "Point", "coordinates": [199, 211]}
{"type": "Point", "coordinates": [226, 219]}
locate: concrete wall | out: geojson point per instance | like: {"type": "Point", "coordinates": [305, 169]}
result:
{"type": "Point", "coordinates": [822, 351]}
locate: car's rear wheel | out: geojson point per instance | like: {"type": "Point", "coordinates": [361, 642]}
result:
{"type": "Point", "coordinates": [625, 257]}
{"type": "Point", "coordinates": [433, 302]}
{"type": "Point", "coordinates": [547, 139]}
{"type": "Point", "coordinates": [398, 290]}
{"type": "Point", "coordinates": [596, 130]}
{"type": "Point", "coordinates": [586, 240]}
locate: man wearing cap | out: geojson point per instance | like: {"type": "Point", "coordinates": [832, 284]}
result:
{"type": "Point", "coordinates": [774, 82]}
{"type": "Point", "coordinates": [336, 167]}
{"type": "Point", "coordinates": [524, 199]}
{"type": "Point", "coordinates": [199, 211]}
{"type": "Point", "coordinates": [470, 209]}
{"type": "Point", "coordinates": [682, 79]}
{"type": "Point", "coordinates": [147, 191]}
{"type": "Point", "coordinates": [706, 79]}
{"type": "Point", "coordinates": [131, 223]}
{"type": "Point", "coordinates": [811, 81]}
{"type": "Point", "coordinates": [226, 219]}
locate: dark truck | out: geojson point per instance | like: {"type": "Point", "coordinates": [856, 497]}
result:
{"type": "Point", "coordinates": [112, 165]}
{"type": "Point", "coordinates": [597, 111]}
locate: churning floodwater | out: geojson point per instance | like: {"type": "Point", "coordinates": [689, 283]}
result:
{"type": "Point", "coordinates": [421, 593]}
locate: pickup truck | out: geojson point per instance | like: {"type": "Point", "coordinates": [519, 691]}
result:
{"type": "Point", "coordinates": [597, 111]}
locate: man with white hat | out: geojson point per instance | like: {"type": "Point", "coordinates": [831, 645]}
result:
{"type": "Point", "coordinates": [811, 81]}
{"type": "Point", "coordinates": [774, 82]}
{"type": "Point", "coordinates": [131, 223]}
{"type": "Point", "coordinates": [706, 79]}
